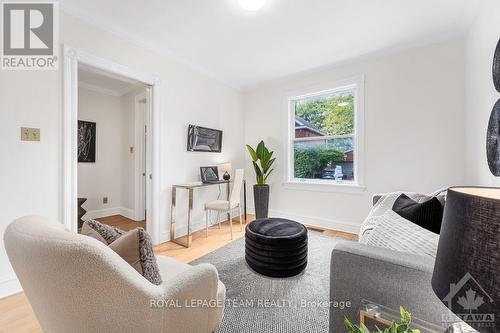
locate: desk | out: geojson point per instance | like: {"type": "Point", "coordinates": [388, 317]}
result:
{"type": "Point", "coordinates": [190, 187]}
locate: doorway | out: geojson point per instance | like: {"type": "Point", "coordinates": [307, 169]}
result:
{"type": "Point", "coordinates": [139, 201]}
{"type": "Point", "coordinates": [112, 146]}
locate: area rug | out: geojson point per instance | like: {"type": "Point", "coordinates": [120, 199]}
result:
{"type": "Point", "coordinates": [256, 303]}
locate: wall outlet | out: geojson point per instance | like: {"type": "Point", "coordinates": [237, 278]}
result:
{"type": "Point", "coordinates": [105, 200]}
{"type": "Point", "coordinates": [30, 134]}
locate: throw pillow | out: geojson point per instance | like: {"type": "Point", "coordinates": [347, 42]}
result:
{"type": "Point", "coordinates": [427, 214]}
{"type": "Point", "coordinates": [89, 231]}
{"type": "Point", "coordinates": [134, 246]}
{"type": "Point", "coordinates": [108, 233]}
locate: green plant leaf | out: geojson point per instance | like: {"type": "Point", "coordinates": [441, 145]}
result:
{"type": "Point", "coordinates": [403, 328]}
{"type": "Point", "coordinates": [268, 165]}
{"type": "Point", "coordinates": [267, 175]}
{"type": "Point", "coordinates": [252, 152]}
{"type": "Point", "coordinates": [350, 327]}
{"type": "Point", "coordinates": [256, 167]}
{"type": "Point", "coordinates": [265, 160]}
{"type": "Point", "coordinates": [266, 151]}
{"type": "Point", "coordinates": [405, 316]}
{"type": "Point", "coordinates": [260, 150]}
{"type": "Point", "coordinates": [348, 324]}
{"type": "Point", "coordinates": [258, 173]}
{"type": "Point", "coordinates": [393, 328]}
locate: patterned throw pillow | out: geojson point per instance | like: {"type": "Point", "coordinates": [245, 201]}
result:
{"type": "Point", "coordinates": [107, 232]}
{"type": "Point", "coordinates": [134, 246]}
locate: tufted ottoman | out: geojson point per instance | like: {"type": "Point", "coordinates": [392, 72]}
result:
{"type": "Point", "coordinates": [276, 247]}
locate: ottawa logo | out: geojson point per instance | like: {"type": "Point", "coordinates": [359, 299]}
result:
{"type": "Point", "coordinates": [470, 302]}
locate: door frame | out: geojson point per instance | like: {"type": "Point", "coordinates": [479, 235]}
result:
{"type": "Point", "coordinates": [72, 58]}
{"type": "Point", "coordinates": [141, 154]}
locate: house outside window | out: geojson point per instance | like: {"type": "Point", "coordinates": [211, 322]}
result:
{"type": "Point", "coordinates": [326, 136]}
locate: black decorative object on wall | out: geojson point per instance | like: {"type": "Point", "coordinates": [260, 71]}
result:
{"type": "Point", "coordinates": [204, 139]}
{"type": "Point", "coordinates": [86, 141]}
{"type": "Point", "coordinates": [493, 132]}
{"type": "Point", "coordinates": [496, 68]}
{"type": "Point", "coordinates": [493, 140]}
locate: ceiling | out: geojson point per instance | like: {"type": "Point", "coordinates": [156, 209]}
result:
{"type": "Point", "coordinates": [243, 48]}
{"type": "Point", "coordinates": [107, 83]}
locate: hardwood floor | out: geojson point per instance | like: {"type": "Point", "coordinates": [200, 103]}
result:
{"type": "Point", "coordinates": [16, 314]}
{"type": "Point", "coordinates": [122, 222]}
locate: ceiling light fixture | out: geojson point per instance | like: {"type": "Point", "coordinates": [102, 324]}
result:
{"type": "Point", "coordinates": [252, 5]}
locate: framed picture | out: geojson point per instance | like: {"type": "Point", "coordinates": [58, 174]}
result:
{"type": "Point", "coordinates": [209, 174]}
{"type": "Point", "coordinates": [204, 139]}
{"type": "Point", "coordinates": [86, 141]}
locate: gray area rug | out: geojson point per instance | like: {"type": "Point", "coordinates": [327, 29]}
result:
{"type": "Point", "coordinates": [256, 303]}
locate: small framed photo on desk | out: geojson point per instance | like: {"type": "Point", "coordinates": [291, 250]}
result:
{"type": "Point", "coordinates": [209, 174]}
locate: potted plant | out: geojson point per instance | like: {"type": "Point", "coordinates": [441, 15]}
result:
{"type": "Point", "coordinates": [262, 160]}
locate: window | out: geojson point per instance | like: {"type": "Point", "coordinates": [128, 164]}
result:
{"type": "Point", "coordinates": [325, 136]}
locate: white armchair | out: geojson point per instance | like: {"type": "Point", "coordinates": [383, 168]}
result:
{"type": "Point", "coordinates": [77, 284]}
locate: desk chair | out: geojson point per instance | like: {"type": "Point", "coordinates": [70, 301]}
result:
{"type": "Point", "coordinates": [223, 206]}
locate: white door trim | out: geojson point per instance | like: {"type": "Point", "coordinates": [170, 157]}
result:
{"type": "Point", "coordinates": [140, 151]}
{"type": "Point", "coordinates": [72, 58]}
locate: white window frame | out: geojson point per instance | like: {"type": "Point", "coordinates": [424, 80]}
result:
{"type": "Point", "coordinates": [355, 84]}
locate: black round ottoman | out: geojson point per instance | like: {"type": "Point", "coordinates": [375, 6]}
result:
{"type": "Point", "coordinates": [276, 247]}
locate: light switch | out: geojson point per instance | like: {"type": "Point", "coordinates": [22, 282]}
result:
{"type": "Point", "coordinates": [30, 134]}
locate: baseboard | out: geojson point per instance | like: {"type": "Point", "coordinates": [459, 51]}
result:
{"type": "Point", "coordinates": [314, 221]}
{"type": "Point", "coordinates": [10, 287]}
{"type": "Point", "coordinates": [96, 214]}
{"type": "Point", "coordinates": [128, 213]}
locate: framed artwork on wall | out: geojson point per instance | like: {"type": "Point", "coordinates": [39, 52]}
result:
{"type": "Point", "coordinates": [86, 141]}
{"type": "Point", "coordinates": [204, 139]}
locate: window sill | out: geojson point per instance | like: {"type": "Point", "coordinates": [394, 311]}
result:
{"type": "Point", "coordinates": [324, 186]}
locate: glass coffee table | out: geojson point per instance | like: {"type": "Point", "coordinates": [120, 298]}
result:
{"type": "Point", "coordinates": [374, 315]}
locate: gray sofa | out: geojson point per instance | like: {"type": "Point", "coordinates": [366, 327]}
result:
{"type": "Point", "coordinates": [384, 276]}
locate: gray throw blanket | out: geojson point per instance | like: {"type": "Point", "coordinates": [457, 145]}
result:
{"type": "Point", "coordinates": [385, 228]}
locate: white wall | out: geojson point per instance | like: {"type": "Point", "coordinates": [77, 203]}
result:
{"type": "Point", "coordinates": [414, 125]}
{"type": "Point", "coordinates": [102, 178]}
{"type": "Point", "coordinates": [31, 180]}
{"type": "Point", "coordinates": [480, 95]}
